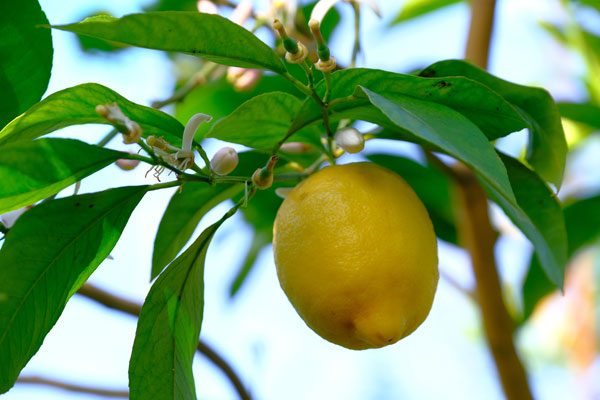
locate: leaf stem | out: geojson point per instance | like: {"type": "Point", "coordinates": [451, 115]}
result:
{"type": "Point", "coordinates": [106, 139]}
{"type": "Point", "coordinates": [73, 388]}
{"type": "Point", "coordinates": [301, 86]}
{"type": "Point", "coordinates": [356, 47]}
{"type": "Point", "coordinates": [117, 303]}
{"type": "Point", "coordinates": [193, 82]}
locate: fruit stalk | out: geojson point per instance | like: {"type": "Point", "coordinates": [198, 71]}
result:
{"type": "Point", "coordinates": [478, 236]}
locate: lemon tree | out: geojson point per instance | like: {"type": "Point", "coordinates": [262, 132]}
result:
{"type": "Point", "coordinates": [354, 244]}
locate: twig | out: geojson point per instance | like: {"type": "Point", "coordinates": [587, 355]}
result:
{"type": "Point", "coordinates": [117, 303]}
{"type": "Point", "coordinates": [73, 388]}
{"type": "Point", "coordinates": [470, 293]}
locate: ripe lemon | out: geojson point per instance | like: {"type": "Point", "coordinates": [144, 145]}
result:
{"type": "Point", "coordinates": [356, 255]}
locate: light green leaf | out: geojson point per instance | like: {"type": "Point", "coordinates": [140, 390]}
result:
{"type": "Point", "coordinates": [582, 221]}
{"type": "Point", "coordinates": [25, 57]}
{"type": "Point", "coordinates": [263, 121]}
{"type": "Point", "coordinates": [169, 327]}
{"type": "Point", "coordinates": [416, 8]}
{"type": "Point", "coordinates": [76, 105]}
{"type": "Point", "coordinates": [184, 212]}
{"type": "Point", "coordinates": [32, 171]}
{"type": "Point", "coordinates": [48, 254]}
{"type": "Point", "coordinates": [547, 145]}
{"type": "Point", "coordinates": [446, 130]}
{"type": "Point", "coordinates": [432, 187]}
{"type": "Point", "coordinates": [537, 215]}
{"type": "Point", "coordinates": [494, 116]}
{"type": "Point", "coordinates": [210, 36]}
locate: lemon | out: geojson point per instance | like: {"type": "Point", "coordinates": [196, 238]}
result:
{"type": "Point", "coordinates": [356, 255]}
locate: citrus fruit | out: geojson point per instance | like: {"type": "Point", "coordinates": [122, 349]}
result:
{"type": "Point", "coordinates": [356, 255]}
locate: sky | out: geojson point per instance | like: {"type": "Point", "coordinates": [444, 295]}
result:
{"type": "Point", "coordinates": [275, 353]}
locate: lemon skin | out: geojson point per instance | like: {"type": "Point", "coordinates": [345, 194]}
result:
{"type": "Point", "coordinates": [356, 255]}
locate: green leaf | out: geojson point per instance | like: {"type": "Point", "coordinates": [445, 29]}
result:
{"type": "Point", "coordinates": [582, 221]}
{"type": "Point", "coordinates": [547, 145]}
{"type": "Point", "coordinates": [184, 212]}
{"type": "Point", "coordinates": [263, 121]}
{"type": "Point", "coordinates": [446, 130]}
{"type": "Point", "coordinates": [169, 326]}
{"type": "Point", "coordinates": [97, 46]}
{"type": "Point", "coordinates": [416, 8]}
{"type": "Point", "coordinates": [210, 36]}
{"type": "Point", "coordinates": [432, 187]}
{"type": "Point", "coordinates": [48, 254]}
{"type": "Point", "coordinates": [76, 105]}
{"type": "Point", "coordinates": [25, 57]}
{"type": "Point", "coordinates": [485, 108]}
{"type": "Point", "coordinates": [50, 165]}
{"type": "Point", "coordinates": [538, 215]}
{"type": "Point", "coordinates": [585, 113]}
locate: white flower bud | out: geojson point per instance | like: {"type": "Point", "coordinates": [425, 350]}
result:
{"type": "Point", "coordinates": [9, 219]}
{"type": "Point", "coordinates": [296, 148]}
{"type": "Point", "coordinates": [224, 161]}
{"type": "Point", "coordinates": [350, 139]}
{"type": "Point", "coordinates": [126, 165]}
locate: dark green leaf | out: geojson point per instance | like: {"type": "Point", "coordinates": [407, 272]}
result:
{"type": "Point", "coordinates": [445, 129]}
{"type": "Point", "coordinates": [32, 171]}
{"type": "Point", "coordinates": [48, 254]}
{"type": "Point", "coordinates": [169, 326]}
{"type": "Point", "coordinates": [416, 8]}
{"type": "Point", "coordinates": [582, 221]}
{"type": "Point", "coordinates": [485, 108]}
{"type": "Point", "coordinates": [184, 212]}
{"type": "Point", "coordinates": [547, 145]}
{"type": "Point", "coordinates": [432, 187]}
{"type": "Point", "coordinates": [586, 113]}
{"type": "Point", "coordinates": [263, 121]}
{"type": "Point", "coordinates": [210, 36]}
{"type": "Point", "coordinates": [76, 105]}
{"type": "Point", "coordinates": [25, 57]}
{"type": "Point", "coordinates": [537, 215]}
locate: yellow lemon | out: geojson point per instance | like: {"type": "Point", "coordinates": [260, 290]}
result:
{"type": "Point", "coordinates": [356, 255]}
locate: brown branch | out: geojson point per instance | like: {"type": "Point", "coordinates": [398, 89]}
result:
{"type": "Point", "coordinates": [478, 236]}
{"type": "Point", "coordinates": [73, 388]}
{"type": "Point", "coordinates": [117, 303]}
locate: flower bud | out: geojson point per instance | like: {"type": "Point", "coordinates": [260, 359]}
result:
{"type": "Point", "coordinates": [9, 219]}
{"type": "Point", "coordinates": [263, 177]}
{"type": "Point", "coordinates": [283, 192]}
{"type": "Point", "coordinates": [207, 7]}
{"type": "Point", "coordinates": [296, 148]}
{"type": "Point", "coordinates": [224, 161]}
{"type": "Point", "coordinates": [126, 165]}
{"type": "Point", "coordinates": [350, 139]}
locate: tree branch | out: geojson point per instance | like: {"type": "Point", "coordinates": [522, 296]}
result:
{"type": "Point", "coordinates": [117, 303]}
{"type": "Point", "coordinates": [478, 236]}
{"type": "Point", "coordinates": [73, 388]}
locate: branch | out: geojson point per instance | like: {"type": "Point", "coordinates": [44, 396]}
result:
{"type": "Point", "coordinates": [73, 388]}
{"type": "Point", "coordinates": [480, 32]}
{"type": "Point", "coordinates": [117, 303]}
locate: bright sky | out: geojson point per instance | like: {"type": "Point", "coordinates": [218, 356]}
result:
{"type": "Point", "coordinates": [277, 356]}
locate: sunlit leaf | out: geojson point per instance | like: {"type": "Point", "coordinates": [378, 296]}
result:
{"type": "Point", "coordinates": [50, 165]}
{"type": "Point", "coordinates": [547, 144]}
{"type": "Point", "coordinates": [76, 105]}
{"type": "Point", "coordinates": [585, 113]}
{"type": "Point", "coordinates": [210, 36]}
{"type": "Point", "coordinates": [48, 254]}
{"type": "Point", "coordinates": [25, 57]}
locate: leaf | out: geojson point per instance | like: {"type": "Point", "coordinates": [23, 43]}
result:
{"type": "Point", "coordinates": [50, 165]}
{"type": "Point", "coordinates": [445, 129]}
{"type": "Point", "coordinates": [416, 8]}
{"type": "Point", "coordinates": [263, 121]}
{"type": "Point", "coordinates": [582, 221]}
{"type": "Point", "coordinates": [76, 105]}
{"type": "Point", "coordinates": [485, 108]}
{"type": "Point", "coordinates": [169, 327]}
{"type": "Point", "coordinates": [48, 254]}
{"type": "Point", "coordinates": [585, 113]}
{"type": "Point", "coordinates": [547, 145]}
{"type": "Point", "coordinates": [432, 187]}
{"type": "Point", "coordinates": [25, 57]}
{"type": "Point", "coordinates": [98, 46]}
{"type": "Point", "coordinates": [184, 212]}
{"type": "Point", "coordinates": [538, 215]}
{"type": "Point", "coordinates": [206, 35]}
